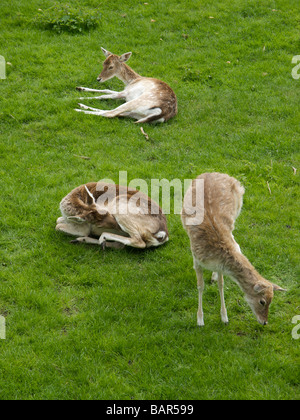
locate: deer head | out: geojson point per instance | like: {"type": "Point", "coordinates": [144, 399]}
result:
{"type": "Point", "coordinates": [260, 297]}
{"type": "Point", "coordinates": [112, 65]}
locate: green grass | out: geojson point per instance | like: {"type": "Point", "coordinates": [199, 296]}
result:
{"type": "Point", "coordinates": [83, 324]}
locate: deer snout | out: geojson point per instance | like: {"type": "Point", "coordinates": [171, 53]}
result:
{"type": "Point", "coordinates": [99, 79]}
{"type": "Point", "coordinates": [262, 322]}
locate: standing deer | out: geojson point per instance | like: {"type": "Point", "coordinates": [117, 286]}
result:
{"type": "Point", "coordinates": [214, 248]}
{"type": "Point", "coordinates": [147, 99]}
{"type": "Point", "coordinates": [117, 216]}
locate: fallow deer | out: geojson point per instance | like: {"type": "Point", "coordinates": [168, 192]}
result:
{"type": "Point", "coordinates": [214, 248]}
{"type": "Point", "coordinates": [147, 99]}
{"type": "Point", "coordinates": [112, 216]}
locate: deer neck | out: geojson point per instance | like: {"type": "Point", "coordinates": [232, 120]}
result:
{"type": "Point", "coordinates": [111, 223]}
{"type": "Point", "coordinates": [127, 75]}
{"type": "Point", "coordinates": [240, 269]}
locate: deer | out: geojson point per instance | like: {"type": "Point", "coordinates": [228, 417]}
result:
{"type": "Point", "coordinates": [112, 216]}
{"type": "Point", "coordinates": [147, 99]}
{"type": "Point", "coordinates": [214, 248]}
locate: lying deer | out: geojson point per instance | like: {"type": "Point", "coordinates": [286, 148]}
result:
{"type": "Point", "coordinates": [117, 216]}
{"type": "Point", "coordinates": [147, 99]}
{"type": "Point", "coordinates": [214, 248]}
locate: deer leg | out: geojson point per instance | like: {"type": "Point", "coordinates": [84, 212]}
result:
{"type": "Point", "coordinates": [221, 290]}
{"type": "Point", "coordinates": [129, 109]}
{"type": "Point", "coordinates": [214, 277]}
{"type": "Point", "coordinates": [90, 110]}
{"type": "Point", "coordinates": [134, 109]}
{"type": "Point", "coordinates": [137, 109]}
{"type": "Point", "coordinates": [89, 107]}
{"type": "Point", "coordinates": [84, 89]}
{"type": "Point", "coordinates": [86, 240]}
{"type": "Point", "coordinates": [93, 241]}
{"type": "Point", "coordinates": [111, 95]}
{"type": "Point", "coordinates": [200, 285]}
{"type": "Point", "coordinates": [152, 113]}
{"type": "Point", "coordinates": [99, 112]}
{"type": "Point", "coordinates": [135, 242]}
{"type": "Point", "coordinates": [116, 245]}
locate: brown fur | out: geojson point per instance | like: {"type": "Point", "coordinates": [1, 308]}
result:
{"type": "Point", "coordinates": [84, 218]}
{"type": "Point", "coordinates": [165, 97]}
{"type": "Point", "coordinates": [147, 99]}
{"type": "Point", "coordinates": [214, 248]}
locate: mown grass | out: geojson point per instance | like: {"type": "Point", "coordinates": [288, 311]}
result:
{"type": "Point", "coordinates": [83, 324]}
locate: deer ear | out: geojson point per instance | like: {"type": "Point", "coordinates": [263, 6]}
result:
{"type": "Point", "coordinates": [125, 57]}
{"type": "Point", "coordinates": [105, 52]}
{"type": "Point", "coordinates": [276, 287]}
{"type": "Point", "coordinates": [90, 197]}
{"type": "Point", "coordinates": [259, 287]}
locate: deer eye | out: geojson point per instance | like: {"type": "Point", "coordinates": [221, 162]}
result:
{"type": "Point", "coordinates": [110, 67]}
{"type": "Point", "coordinates": [262, 302]}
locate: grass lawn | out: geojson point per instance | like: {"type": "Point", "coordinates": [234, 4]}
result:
{"type": "Point", "coordinates": [121, 324]}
